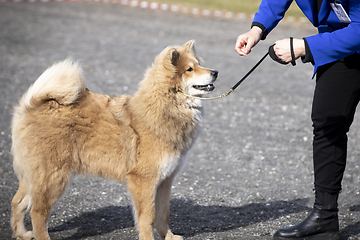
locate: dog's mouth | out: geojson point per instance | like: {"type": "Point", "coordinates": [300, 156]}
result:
{"type": "Point", "coordinates": [207, 88]}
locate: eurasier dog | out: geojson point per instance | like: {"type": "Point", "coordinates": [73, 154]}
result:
{"type": "Point", "coordinates": [60, 128]}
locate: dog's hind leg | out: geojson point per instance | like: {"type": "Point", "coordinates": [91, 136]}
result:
{"type": "Point", "coordinates": [46, 193]}
{"type": "Point", "coordinates": [143, 195]}
{"type": "Point", "coordinates": [162, 210]}
{"type": "Point", "coordinates": [20, 205]}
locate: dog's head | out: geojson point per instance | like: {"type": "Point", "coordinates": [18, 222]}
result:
{"type": "Point", "coordinates": [181, 65]}
{"type": "Point", "coordinates": [194, 79]}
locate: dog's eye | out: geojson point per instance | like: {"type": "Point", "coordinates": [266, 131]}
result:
{"type": "Point", "coordinates": [190, 69]}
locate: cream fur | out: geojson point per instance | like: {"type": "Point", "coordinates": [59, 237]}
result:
{"type": "Point", "coordinates": [60, 128]}
{"type": "Point", "coordinates": [67, 84]}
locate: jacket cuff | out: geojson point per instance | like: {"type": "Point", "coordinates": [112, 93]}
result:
{"type": "Point", "coordinates": [308, 55]}
{"type": "Point", "coordinates": [262, 27]}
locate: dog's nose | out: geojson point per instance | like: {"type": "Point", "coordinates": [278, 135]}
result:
{"type": "Point", "coordinates": [214, 73]}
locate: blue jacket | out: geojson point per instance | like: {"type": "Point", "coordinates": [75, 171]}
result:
{"type": "Point", "coordinates": [334, 41]}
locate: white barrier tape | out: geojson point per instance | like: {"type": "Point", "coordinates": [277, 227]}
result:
{"type": "Point", "coordinates": [167, 7]}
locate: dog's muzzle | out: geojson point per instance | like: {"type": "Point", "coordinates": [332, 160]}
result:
{"type": "Point", "coordinates": [208, 87]}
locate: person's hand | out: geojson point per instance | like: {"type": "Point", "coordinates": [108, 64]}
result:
{"type": "Point", "coordinates": [245, 42]}
{"type": "Point", "coordinates": [282, 49]}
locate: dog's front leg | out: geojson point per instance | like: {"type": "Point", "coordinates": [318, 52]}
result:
{"type": "Point", "coordinates": [162, 210]}
{"type": "Point", "coordinates": [143, 190]}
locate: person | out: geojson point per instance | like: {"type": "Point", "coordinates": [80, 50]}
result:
{"type": "Point", "coordinates": [334, 52]}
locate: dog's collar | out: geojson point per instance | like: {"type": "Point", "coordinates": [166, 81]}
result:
{"type": "Point", "coordinates": [201, 98]}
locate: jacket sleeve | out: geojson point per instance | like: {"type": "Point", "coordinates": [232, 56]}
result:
{"type": "Point", "coordinates": [269, 14]}
{"type": "Point", "coordinates": [331, 46]}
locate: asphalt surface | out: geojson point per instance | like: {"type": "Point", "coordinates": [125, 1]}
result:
{"type": "Point", "coordinates": [250, 172]}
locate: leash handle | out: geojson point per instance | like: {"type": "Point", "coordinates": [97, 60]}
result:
{"type": "Point", "coordinates": [274, 56]}
{"type": "Point", "coordinates": [277, 59]}
{"type": "Point", "coordinates": [292, 51]}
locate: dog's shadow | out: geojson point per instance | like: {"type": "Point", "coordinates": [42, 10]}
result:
{"type": "Point", "coordinates": [186, 217]}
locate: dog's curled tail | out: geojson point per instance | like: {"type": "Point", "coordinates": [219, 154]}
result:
{"type": "Point", "coordinates": [63, 82]}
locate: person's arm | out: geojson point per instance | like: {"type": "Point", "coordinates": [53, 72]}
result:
{"type": "Point", "coordinates": [326, 47]}
{"type": "Point", "coordinates": [283, 51]}
{"type": "Point", "coordinates": [331, 46]}
{"type": "Point", "coordinates": [269, 14]}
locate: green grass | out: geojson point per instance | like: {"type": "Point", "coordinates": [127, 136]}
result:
{"type": "Point", "coordinates": [235, 6]}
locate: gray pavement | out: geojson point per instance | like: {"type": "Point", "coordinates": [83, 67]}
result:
{"type": "Point", "coordinates": [250, 172]}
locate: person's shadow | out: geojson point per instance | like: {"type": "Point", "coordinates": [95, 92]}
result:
{"type": "Point", "coordinates": [189, 219]}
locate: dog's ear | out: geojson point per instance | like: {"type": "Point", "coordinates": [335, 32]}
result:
{"type": "Point", "coordinates": [190, 46]}
{"type": "Point", "coordinates": [175, 56]}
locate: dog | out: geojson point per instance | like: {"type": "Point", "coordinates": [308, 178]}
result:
{"type": "Point", "coordinates": [60, 128]}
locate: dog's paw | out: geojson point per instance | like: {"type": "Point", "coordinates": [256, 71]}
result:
{"type": "Point", "coordinates": [177, 237]}
{"type": "Point", "coordinates": [26, 236]}
{"type": "Point", "coordinates": [29, 235]}
{"type": "Point", "coordinates": [173, 237]}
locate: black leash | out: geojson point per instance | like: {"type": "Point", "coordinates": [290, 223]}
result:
{"type": "Point", "coordinates": [251, 70]}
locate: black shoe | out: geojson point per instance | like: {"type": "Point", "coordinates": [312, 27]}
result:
{"type": "Point", "coordinates": [321, 224]}
{"type": "Point", "coordinates": [310, 228]}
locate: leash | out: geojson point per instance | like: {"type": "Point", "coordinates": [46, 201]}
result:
{"type": "Point", "coordinates": [235, 86]}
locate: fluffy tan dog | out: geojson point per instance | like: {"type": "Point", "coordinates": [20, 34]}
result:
{"type": "Point", "coordinates": [60, 128]}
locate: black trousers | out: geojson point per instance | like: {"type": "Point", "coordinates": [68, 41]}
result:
{"type": "Point", "coordinates": [336, 95]}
